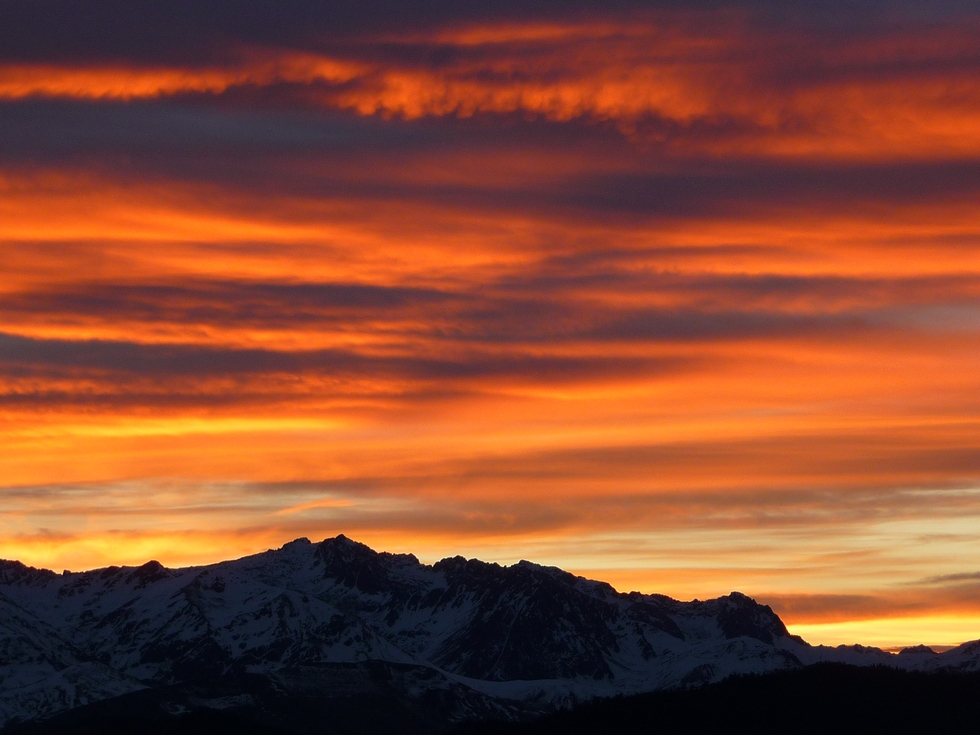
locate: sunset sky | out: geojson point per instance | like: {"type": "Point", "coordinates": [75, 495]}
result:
{"type": "Point", "coordinates": [680, 295]}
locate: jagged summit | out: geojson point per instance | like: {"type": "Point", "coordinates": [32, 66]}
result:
{"type": "Point", "coordinates": [475, 635]}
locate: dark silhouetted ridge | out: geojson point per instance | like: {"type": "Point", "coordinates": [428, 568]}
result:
{"type": "Point", "coordinates": [314, 636]}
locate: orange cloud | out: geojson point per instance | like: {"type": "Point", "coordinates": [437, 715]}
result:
{"type": "Point", "coordinates": [703, 84]}
{"type": "Point", "coordinates": [670, 303]}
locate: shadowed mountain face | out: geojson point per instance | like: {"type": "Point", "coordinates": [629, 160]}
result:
{"type": "Point", "coordinates": [284, 632]}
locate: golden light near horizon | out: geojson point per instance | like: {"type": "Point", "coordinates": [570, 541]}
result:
{"type": "Point", "coordinates": [686, 300]}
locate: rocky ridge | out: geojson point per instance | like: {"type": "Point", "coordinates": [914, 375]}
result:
{"type": "Point", "coordinates": [337, 621]}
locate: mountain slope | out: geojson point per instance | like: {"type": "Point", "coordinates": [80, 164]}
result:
{"type": "Point", "coordinates": [457, 640]}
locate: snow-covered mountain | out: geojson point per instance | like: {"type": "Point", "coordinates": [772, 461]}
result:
{"type": "Point", "coordinates": [336, 620]}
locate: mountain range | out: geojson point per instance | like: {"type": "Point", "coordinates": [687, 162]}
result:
{"type": "Point", "coordinates": [336, 637]}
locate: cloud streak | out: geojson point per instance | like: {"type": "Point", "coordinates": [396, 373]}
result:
{"type": "Point", "coordinates": [693, 81]}
{"type": "Point", "coordinates": [685, 296]}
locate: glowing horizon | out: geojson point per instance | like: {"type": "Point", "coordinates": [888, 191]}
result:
{"type": "Point", "coordinates": [923, 623]}
{"type": "Point", "coordinates": [686, 300]}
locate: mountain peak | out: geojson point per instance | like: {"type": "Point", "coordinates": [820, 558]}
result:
{"type": "Point", "coordinates": [917, 650]}
{"type": "Point", "coordinates": [491, 638]}
{"type": "Point", "coordinates": [14, 572]}
{"type": "Point", "coordinates": [353, 564]}
{"type": "Point", "coordinates": [739, 615]}
{"type": "Point", "coordinates": [148, 573]}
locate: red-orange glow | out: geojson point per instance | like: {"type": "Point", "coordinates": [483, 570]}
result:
{"type": "Point", "coordinates": [686, 303]}
{"type": "Point", "coordinates": [18, 81]}
{"type": "Point", "coordinates": [687, 73]}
